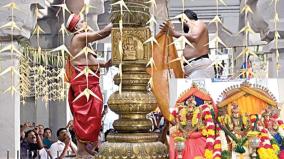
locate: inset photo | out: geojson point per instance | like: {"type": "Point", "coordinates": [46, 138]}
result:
{"type": "Point", "coordinates": [237, 119]}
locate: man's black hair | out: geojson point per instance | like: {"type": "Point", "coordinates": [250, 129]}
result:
{"type": "Point", "coordinates": [45, 129]}
{"type": "Point", "coordinates": [190, 15]}
{"type": "Point", "coordinates": [27, 133]}
{"type": "Point", "coordinates": [59, 130]}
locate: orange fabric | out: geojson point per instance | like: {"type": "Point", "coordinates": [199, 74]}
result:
{"type": "Point", "coordinates": [194, 92]}
{"type": "Point", "coordinates": [249, 104]}
{"type": "Point", "coordinates": [162, 55]}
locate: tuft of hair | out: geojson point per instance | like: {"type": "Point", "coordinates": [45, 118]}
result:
{"type": "Point", "coordinates": [190, 14]}
{"type": "Point", "coordinates": [45, 129]}
{"type": "Point", "coordinates": [40, 125]}
{"type": "Point", "coordinates": [28, 132]}
{"type": "Point", "coordinates": [59, 130]}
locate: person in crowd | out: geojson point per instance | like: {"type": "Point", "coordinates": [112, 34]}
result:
{"type": "Point", "coordinates": [40, 130]}
{"type": "Point", "coordinates": [105, 110]}
{"type": "Point", "coordinates": [47, 138]}
{"type": "Point", "coordinates": [23, 129]}
{"type": "Point", "coordinates": [70, 129]}
{"type": "Point", "coordinates": [218, 70]}
{"type": "Point", "coordinates": [108, 132]}
{"type": "Point", "coordinates": [31, 145]}
{"type": "Point", "coordinates": [22, 132]}
{"type": "Point", "coordinates": [246, 68]}
{"type": "Point", "coordinates": [62, 146]}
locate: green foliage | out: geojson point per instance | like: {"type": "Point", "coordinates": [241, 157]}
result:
{"type": "Point", "coordinates": [225, 155]}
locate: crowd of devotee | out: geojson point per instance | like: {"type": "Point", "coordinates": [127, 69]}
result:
{"type": "Point", "coordinates": [39, 141]}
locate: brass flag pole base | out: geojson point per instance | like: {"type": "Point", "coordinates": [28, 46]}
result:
{"type": "Point", "coordinates": [134, 139]}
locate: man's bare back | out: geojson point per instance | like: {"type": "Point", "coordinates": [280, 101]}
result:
{"type": "Point", "coordinates": [75, 47]}
{"type": "Point", "coordinates": [81, 40]}
{"type": "Point", "coordinates": [197, 36]}
{"type": "Point", "coordinates": [198, 64]}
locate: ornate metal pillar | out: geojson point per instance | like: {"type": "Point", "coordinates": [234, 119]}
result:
{"type": "Point", "coordinates": [133, 139]}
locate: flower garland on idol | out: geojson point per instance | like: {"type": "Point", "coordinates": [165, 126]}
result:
{"type": "Point", "coordinates": [280, 131]}
{"type": "Point", "coordinates": [213, 140]}
{"type": "Point", "coordinates": [267, 149]}
{"type": "Point", "coordinates": [204, 112]}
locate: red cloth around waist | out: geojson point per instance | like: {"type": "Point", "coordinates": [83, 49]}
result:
{"type": "Point", "coordinates": [86, 113]}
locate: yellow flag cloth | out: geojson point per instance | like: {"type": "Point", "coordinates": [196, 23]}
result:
{"type": "Point", "coordinates": [165, 58]}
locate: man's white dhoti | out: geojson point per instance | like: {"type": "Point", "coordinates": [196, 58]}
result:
{"type": "Point", "coordinates": [201, 68]}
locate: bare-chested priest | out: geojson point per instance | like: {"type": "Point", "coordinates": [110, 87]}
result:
{"type": "Point", "coordinates": [86, 113]}
{"type": "Point", "coordinates": [200, 66]}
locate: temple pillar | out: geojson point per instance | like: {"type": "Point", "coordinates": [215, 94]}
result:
{"type": "Point", "coordinates": [28, 109]}
{"type": "Point", "coordinates": [52, 114]}
{"type": "Point", "coordinates": [10, 105]}
{"type": "Point", "coordinates": [9, 61]}
{"type": "Point", "coordinates": [35, 110]}
{"type": "Point", "coordinates": [59, 115]}
{"type": "Point", "coordinates": [42, 112]}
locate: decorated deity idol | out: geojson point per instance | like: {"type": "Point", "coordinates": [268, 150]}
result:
{"type": "Point", "coordinates": [237, 122]}
{"type": "Point", "coordinates": [196, 126]}
{"type": "Point", "coordinates": [199, 131]}
{"type": "Point", "coordinates": [267, 121]}
{"type": "Point", "coordinates": [236, 125]}
{"type": "Point", "coordinates": [274, 125]}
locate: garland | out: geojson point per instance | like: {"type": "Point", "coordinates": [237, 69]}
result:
{"type": "Point", "coordinates": [266, 150]}
{"type": "Point", "coordinates": [281, 131]}
{"type": "Point", "coordinates": [213, 140]}
{"type": "Point", "coordinates": [213, 146]}
{"type": "Point", "coordinates": [224, 143]}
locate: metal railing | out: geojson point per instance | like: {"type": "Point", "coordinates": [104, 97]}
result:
{"type": "Point", "coordinates": [31, 155]}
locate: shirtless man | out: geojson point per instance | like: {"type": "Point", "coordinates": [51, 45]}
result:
{"type": "Point", "coordinates": [86, 113]}
{"type": "Point", "coordinates": [81, 39]}
{"type": "Point", "coordinates": [196, 32]}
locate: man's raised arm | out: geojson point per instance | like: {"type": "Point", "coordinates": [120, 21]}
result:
{"type": "Point", "coordinates": [192, 37]}
{"type": "Point", "coordinates": [95, 36]}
